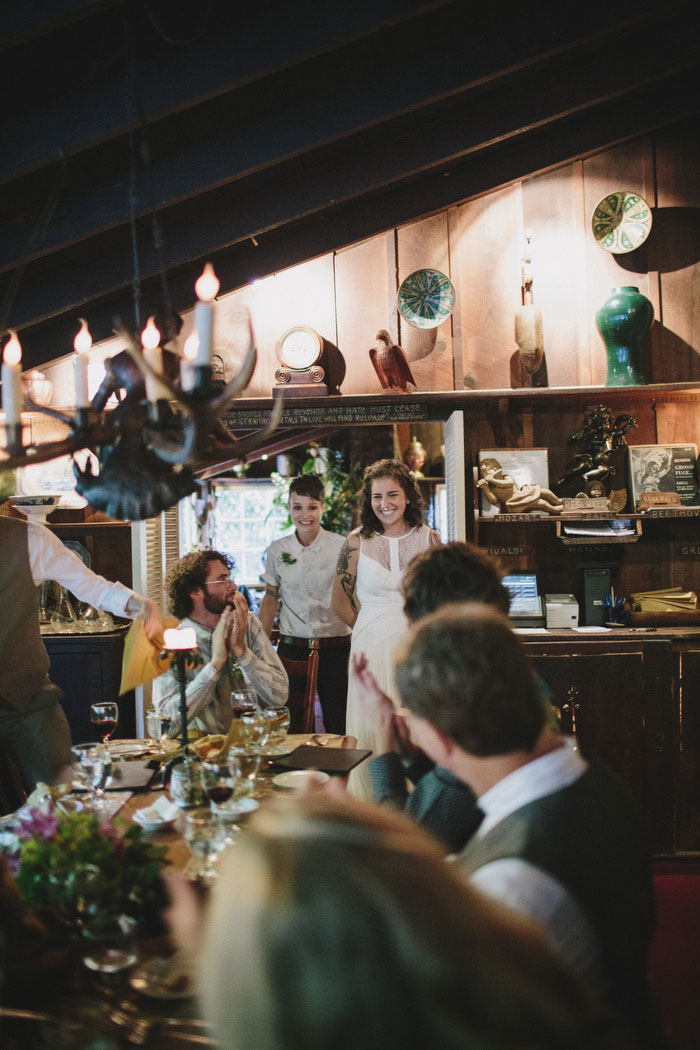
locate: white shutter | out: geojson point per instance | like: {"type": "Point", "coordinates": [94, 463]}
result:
{"type": "Point", "coordinates": [155, 545]}
{"type": "Point", "coordinates": [455, 477]}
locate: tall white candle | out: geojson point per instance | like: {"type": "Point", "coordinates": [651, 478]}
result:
{"type": "Point", "coordinates": [81, 344]}
{"type": "Point", "coordinates": [206, 286]}
{"type": "Point", "coordinates": [153, 356]}
{"type": "Point", "coordinates": [12, 380]}
{"type": "Point", "coordinates": [187, 372]}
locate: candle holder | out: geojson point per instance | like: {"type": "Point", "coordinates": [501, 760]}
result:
{"type": "Point", "coordinates": [180, 649]}
{"type": "Point", "coordinates": [13, 437]}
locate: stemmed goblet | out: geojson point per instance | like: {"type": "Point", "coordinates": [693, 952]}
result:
{"type": "Point", "coordinates": [105, 717]}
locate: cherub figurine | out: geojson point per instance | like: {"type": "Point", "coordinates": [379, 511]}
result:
{"type": "Point", "coordinates": [500, 489]}
{"type": "Point", "coordinates": [391, 364]}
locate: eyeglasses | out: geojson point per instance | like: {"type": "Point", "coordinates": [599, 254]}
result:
{"type": "Point", "coordinates": [219, 581]}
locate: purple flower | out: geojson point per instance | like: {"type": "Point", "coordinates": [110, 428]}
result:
{"type": "Point", "coordinates": [38, 825]}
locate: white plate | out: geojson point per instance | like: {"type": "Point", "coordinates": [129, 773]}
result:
{"type": "Point", "coordinates": [163, 979]}
{"type": "Point", "coordinates": [276, 750]}
{"type": "Point", "coordinates": [296, 778]}
{"type": "Point", "coordinates": [237, 807]}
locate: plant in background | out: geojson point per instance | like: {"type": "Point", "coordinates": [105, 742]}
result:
{"type": "Point", "coordinates": [69, 863]}
{"type": "Point", "coordinates": [340, 488]}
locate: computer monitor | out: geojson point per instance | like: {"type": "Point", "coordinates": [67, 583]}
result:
{"type": "Point", "coordinates": [524, 599]}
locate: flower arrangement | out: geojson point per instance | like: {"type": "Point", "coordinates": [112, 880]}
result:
{"type": "Point", "coordinates": [60, 859]}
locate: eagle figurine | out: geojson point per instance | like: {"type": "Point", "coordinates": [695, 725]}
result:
{"type": "Point", "coordinates": [391, 365]}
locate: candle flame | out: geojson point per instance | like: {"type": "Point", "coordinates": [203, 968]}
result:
{"type": "Point", "coordinates": [83, 339]}
{"type": "Point", "coordinates": [150, 337]}
{"type": "Point", "coordinates": [191, 347]}
{"type": "Point", "coordinates": [207, 284]}
{"type": "Point", "coordinates": [12, 354]}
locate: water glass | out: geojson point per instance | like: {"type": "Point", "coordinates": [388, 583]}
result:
{"type": "Point", "coordinates": [92, 766]}
{"type": "Point", "coordinates": [109, 943]}
{"type": "Point", "coordinates": [206, 838]}
{"type": "Point", "coordinates": [244, 764]}
{"type": "Point", "coordinates": [277, 720]}
{"type": "Point", "coordinates": [157, 725]}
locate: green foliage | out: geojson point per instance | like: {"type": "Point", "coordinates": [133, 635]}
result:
{"type": "Point", "coordinates": [55, 849]}
{"type": "Point", "coordinates": [340, 488]}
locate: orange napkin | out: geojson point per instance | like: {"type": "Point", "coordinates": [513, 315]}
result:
{"type": "Point", "coordinates": [140, 661]}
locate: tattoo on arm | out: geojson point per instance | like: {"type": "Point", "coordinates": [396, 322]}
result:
{"type": "Point", "coordinates": [347, 579]}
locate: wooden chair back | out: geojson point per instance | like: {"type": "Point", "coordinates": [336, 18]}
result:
{"type": "Point", "coordinates": [302, 690]}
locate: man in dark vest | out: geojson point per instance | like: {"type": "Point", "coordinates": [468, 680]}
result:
{"type": "Point", "coordinates": [560, 839]}
{"type": "Point", "coordinates": [33, 726]}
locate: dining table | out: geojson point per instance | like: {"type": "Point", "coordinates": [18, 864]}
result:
{"type": "Point", "coordinates": [76, 1009]}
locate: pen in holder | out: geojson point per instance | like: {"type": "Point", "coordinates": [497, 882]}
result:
{"type": "Point", "coordinates": [615, 613]}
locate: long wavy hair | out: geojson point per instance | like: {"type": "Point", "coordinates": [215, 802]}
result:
{"type": "Point", "coordinates": [389, 468]}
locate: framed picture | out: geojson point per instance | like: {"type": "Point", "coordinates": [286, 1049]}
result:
{"type": "Point", "coordinates": [526, 466]}
{"type": "Point", "coordinates": [664, 468]}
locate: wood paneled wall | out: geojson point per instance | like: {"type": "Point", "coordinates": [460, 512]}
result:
{"type": "Point", "coordinates": [348, 295]}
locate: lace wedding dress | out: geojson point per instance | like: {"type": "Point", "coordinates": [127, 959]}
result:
{"type": "Point", "coordinates": [379, 628]}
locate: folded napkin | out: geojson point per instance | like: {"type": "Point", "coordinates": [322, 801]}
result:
{"type": "Point", "coordinates": [140, 662]}
{"type": "Point", "coordinates": [161, 812]}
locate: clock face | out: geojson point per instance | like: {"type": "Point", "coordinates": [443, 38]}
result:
{"type": "Point", "coordinates": [299, 348]}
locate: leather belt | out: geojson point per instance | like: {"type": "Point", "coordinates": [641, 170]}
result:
{"type": "Point", "coordinates": [323, 643]}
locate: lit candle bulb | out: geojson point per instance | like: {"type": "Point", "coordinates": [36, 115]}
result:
{"type": "Point", "coordinates": [179, 638]}
{"type": "Point", "coordinates": [81, 344]}
{"type": "Point", "coordinates": [206, 286]}
{"type": "Point", "coordinates": [153, 356]}
{"type": "Point", "coordinates": [12, 380]}
{"type": "Point", "coordinates": [187, 372]}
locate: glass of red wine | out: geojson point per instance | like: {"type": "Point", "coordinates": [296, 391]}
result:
{"type": "Point", "coordinates": [105, 717]}
{"type": "Point", "coordinates": [218, 781]}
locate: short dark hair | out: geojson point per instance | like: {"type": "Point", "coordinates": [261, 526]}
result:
{"type": "Point", "coordinates": [389, 468]}
{"type": "Point", "coordinates": [186, 575]}
{"type": "Point", "coordinates": [464, 670]}
{"type": "Point", "coordinates": [308, 485]}
{"type": "Point", "coordinates": [455, 572]}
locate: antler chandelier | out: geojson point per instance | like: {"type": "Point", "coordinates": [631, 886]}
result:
{"type": "Point", "coordinates": [161, 435]}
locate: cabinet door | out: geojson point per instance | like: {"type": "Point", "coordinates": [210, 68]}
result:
{"type": "Point", "coordinates": [612, 704]}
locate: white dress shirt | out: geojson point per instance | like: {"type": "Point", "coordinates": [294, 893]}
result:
{"type": "Point", "coordinates": [526, 888]}
{"type": "Point", "coordinates": [49, 559]}
{"type": "Point", "coordinates": [304, 578]}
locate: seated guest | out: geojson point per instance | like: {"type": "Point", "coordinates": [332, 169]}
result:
{"type": "Point", "coordinates": [560, 841]}
{"type": "Point", "coordinates": [202, 595]}
{"type": "Point", "coordinates": [337, 924]}
{"type": "Point", "coordinates": [299, 576]}
{"type": "Point", "coordinates": [440, 801]}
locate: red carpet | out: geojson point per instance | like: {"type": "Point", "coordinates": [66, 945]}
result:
{"type": "Point", "coordinates": [675, 957]}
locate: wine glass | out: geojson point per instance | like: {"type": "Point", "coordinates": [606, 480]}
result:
{"type": "Point", "coordinates": [219, 782]}
{"type": "Point", "coordinates": [105, 717]}
{"type": "Point", "coordinates": [277, 720]}
{"type": "Point", "coordinates": [92, 765]}
{"type": "Point", "coordinates": [244, 763]}
{"type": "Point", "coordinates": [206, 838]}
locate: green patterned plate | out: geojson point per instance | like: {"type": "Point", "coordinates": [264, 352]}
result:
{"type": "Point", "coordinates": [621, 222]}
{"type": "Point", "coordinates": [426, 298]}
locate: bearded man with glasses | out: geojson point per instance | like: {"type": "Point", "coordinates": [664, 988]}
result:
{"type": "Point", "coordinates": [203, 595]}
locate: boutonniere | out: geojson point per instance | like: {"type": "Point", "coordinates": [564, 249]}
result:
{"type": "Point", "coordinates": [288, 559]}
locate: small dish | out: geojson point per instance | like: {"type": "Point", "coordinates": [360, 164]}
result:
{"type": "Point", "coordinates": [297, 778]}
{"type": "Point", "coordinates": [236, 808]}
{"type": "Point", "coordinates": [621, 222]}
{"type": "Point", "coordinates": [163, 978]}
{"type": "Point", "coordinates": [158, 816]}
{"type": "Point", "coordinates": [426, 298]}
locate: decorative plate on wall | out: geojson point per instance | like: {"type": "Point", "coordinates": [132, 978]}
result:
{"type": "Point", "coordinates": [621, 222]}
{"type": "Point", "coordinates": [426, 298]}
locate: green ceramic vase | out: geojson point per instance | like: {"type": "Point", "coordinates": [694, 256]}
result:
{"type": "Point", "coordinates": [624, 321]}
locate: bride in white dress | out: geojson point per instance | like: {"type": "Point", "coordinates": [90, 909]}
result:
{"type": "Point", "coordinates": [367, 589]}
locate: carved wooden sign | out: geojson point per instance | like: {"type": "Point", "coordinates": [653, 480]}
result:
{"type": "Point", "coordinates": [580, 505]}
{"type": "Point", "coordinates": [647, 500]}
{"type": "Point", "coordinates": [320, 415]}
